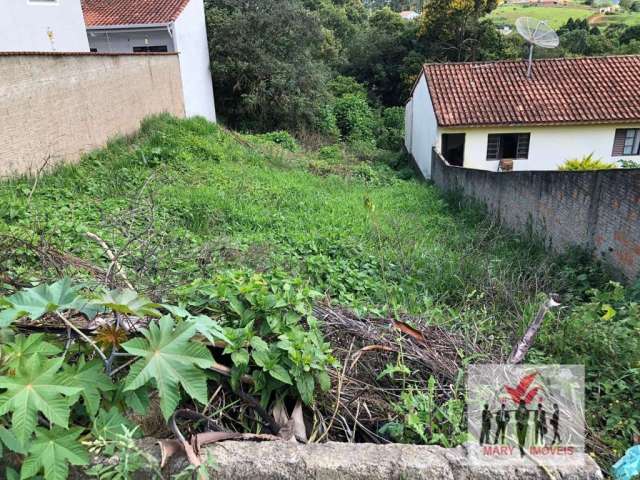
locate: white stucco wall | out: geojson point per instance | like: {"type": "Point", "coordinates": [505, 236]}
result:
{"type": "Point", "coordinates": [123, 40]}
{"type": "Point", "coordinates": [42, 26]}
{"type": "Point", "coordinates": [424, 127]}
{"type": "Point", "coordinates": [408, 125]}
{"type": "Point", "coordinates": [549, 147]}
{"type": "Point", "coordinates": [190, 34]}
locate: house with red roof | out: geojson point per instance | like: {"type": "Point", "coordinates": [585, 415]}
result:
{"type": "Point", "coordinates": [144, 26]}
{"type": "Point", "coordinates": [492, 116]}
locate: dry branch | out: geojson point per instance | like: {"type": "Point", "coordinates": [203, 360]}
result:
{"type": "Point", "coordinates": [526, 342]}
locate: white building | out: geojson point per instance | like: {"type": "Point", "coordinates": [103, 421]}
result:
{"type": "Point", "coordinates": [42, 26]}
{"type": "Point", "coordinates": [489, 115]}
{"type": "Point", "coordinates": [409, 15]}
{"type": "Point", "coordinates": [126, 26]}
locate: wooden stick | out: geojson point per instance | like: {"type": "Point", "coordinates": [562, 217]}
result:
{"type": "Point", "coordinates": [114, 260]}
{"type": "Point", "coordinates": [83, 336]}
{"type": "Point", "coordinates": [526, 342]}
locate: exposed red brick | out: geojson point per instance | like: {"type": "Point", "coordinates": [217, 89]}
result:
{"type": "Point", "coordinates": [98, 13]}
{"type": "Point", "coordinates": [561, 91]}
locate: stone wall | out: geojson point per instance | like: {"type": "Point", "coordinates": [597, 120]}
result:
{"type": "Point", "coordinates": [283, 460]}
{"type": "Point", "coordinates": [61, 105]}
{"type": "Point", "coordinates": [598, 210]}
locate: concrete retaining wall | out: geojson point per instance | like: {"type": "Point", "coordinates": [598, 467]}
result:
{"type": "Point", "coordinates": [344, 461]}
{"type": "Point", "coordinates": [598, 210]}
{"type": "Point", "coordinates": [62, 105]}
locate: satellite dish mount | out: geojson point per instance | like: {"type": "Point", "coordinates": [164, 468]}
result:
{"type": "Point", "coordinates": [537, 34]}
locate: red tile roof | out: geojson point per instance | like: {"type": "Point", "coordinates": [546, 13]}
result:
{"type": "Point", "coordinates": [572, 91]}
{"type": "Point", "coordinates": [100, 13]}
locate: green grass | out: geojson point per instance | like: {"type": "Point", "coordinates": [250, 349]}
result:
{"type": "Point", "coordinates": [300, 213]}
{"type": "Point", "coordinates": [625, 18]}
{"type": "Point", "coordinates": [555, 16]}
{"type": "Point", "coordinates": [185, 199]}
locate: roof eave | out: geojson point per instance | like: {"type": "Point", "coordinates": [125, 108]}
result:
{"type": "Point", "coordinates": [542, 124]}
{"type": "Point", "coordinates": [130, 25]}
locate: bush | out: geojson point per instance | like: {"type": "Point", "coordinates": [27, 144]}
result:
{"type": "Point", "coordinates": [355, 118]}
{"type": "Point", "coordinates": [282, 138]}
{"type": "Point", "coordinates": [331, 154]}
{"type": "Point", "coordinates": [586, 163]}
{"type": "Point", "coordinates": [624, 163]}
{"type": "Point", "coordinates": [391, 136]}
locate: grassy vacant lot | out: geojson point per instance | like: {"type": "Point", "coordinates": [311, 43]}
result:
{"type": "Point", "coordinates": [186, 199]}
{"type": "Point", "coordinates": [555, 16]}
{"type": "Point", "coordinates": [625, 18]}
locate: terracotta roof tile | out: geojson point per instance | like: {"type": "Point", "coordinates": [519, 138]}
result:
{"type": "Point", "coordinates": [99, 13]}
{"type": "Point", "coordinates": [579, 90]}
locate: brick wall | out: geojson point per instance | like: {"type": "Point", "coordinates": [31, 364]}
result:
{"type": "Point", "coordinates": [61, 105]}
{"type": "Point", "coordinates": [597, 210]}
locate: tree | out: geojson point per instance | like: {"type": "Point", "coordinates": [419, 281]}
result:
{"type": "Point", "coordinates": [453, 29]}
{"type": "Point", "coordinates": [268, 62]}
{"type": "Point", "coordinates": [378, 53]}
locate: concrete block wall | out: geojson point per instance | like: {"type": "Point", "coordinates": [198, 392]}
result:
{"type": "Point", "coordinates": [60, 105]}
{"type": "Point", "coordinates": [598, 210]}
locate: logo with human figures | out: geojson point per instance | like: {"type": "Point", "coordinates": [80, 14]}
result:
{"type": "Point", "coordinates": [526, 413]}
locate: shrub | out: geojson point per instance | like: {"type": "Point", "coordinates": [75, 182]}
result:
{"type": "Point", "coordinates": [282, 138]}
{"type": "Point", "coordinates": [331, 154]}
{"type": "Point", "coordinates": [586, 163]}
{"type": "Point", "coordinates": [391, 136]}
{"type": "Point", "coordinates": [355, 118]}
{"type": "Point", "coordinates": [624, 163]}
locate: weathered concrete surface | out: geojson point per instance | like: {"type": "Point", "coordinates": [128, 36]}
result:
{"type": "Point", "coordinates": [340, 461]}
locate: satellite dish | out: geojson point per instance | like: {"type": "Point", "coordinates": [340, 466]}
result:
{"type": "Point", "coordinates": [537, 33]}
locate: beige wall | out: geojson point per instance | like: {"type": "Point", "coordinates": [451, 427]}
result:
{"type": "Point", "coordinates": [62, 105]}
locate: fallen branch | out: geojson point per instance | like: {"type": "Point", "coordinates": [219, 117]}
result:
{"type": "Point", "coordinates": [112, 257]}
{"type": "Point", "coordinates": [526, 342]}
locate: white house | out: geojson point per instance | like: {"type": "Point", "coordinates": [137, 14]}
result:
{"type": "Point", "coordinates": [490, 115]}
{"type": "Point", "coordinates": [124, 26]}
{"type": "Point", "coordinates": [409, 15]}
{"type": "Point", "coordinates": [42, 26]}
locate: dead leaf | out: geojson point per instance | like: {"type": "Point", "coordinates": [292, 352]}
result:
{"type": "Point", "coordinates": [412, 332]}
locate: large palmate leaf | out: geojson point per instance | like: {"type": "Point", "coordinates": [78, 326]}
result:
{"type": "Point", "coordinates": [209, 328]}
{"type": "Point", "coordinates": [91, 378]}
{"type": "Point", "coordinates": [23, 347]}
{"type": "Point", "coordinates": [170, 359]}
{"type": "Point", "coordinates": [108, 425]}
{"type": "Point", "coordinates": [36, 387]}
{"type": "Point", "coordinates": [38, 301]}
{"type": "Point", "coordinates": [53, 451]}
{"type": "Point", "coordinates": [128, 302]}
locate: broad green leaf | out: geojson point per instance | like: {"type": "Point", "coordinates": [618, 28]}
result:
{"type": "Point", "coordinates": [306, 385]}
{"type": "Point", "coordinates": [15, 353]}
{"type": "Point", "coordinates": [324, 381]}
{"type": "Point", "coordinates": [91, 378]}
{"type": "Point", "coordinates": [280, 373]}
{"type": "Point", "coordinates": [240, 357]}
{"type": "Point", "coordinates": [209, 329]}
{"type": "Point", "coordinates": [171, 359]}
{"type": "Point", "coordinates": [10, 441]}
{"type": "Point", "coordinates": [128, 302]}
{"type": "Point", "coordinates": [35, 387]}
{"type": "Point", "coordinates": [109, 424]}
{"type": "Point", "coordinates": [260, 357]}
{"type": "Point", "coordinates": [176, 311]}
{"type": "Point", "coordinates": [259, 344]}
{"type": "Point", "coordinates": [138, 400]}
{"type": "Point", "coordinates": [11, 474]}
{"type": "Point", "coordinates": [53, 451]}
{"type": "Point", "coordinates": [38, 301]}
